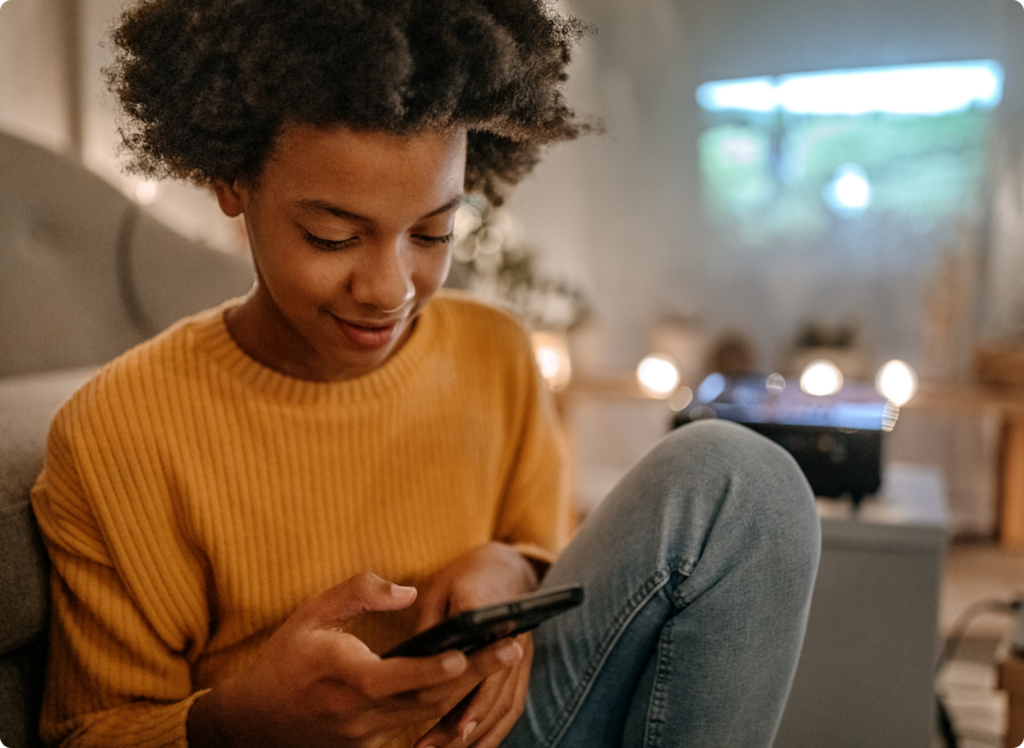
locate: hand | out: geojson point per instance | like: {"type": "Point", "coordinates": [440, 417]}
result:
{"type": "Point", "coordinates": [488, 574]}
{"type": "Point", "coordinates": [314, 685]}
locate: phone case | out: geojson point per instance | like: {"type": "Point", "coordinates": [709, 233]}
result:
{"type": "Point", "coordinates": [475, 629]}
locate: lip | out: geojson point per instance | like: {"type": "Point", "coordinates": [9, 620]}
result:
{"type": "Point", "coordinates": [370, 336]}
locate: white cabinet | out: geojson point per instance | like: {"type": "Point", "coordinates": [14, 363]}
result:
{"type": "Point", "coordinates": [866, 673]}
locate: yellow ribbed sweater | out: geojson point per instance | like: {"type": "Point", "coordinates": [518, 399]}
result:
{"type": "Point", "coordinates": [191, 498]}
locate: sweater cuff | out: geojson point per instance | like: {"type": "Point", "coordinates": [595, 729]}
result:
{"type": "Point", "coordinates": [138, 725]}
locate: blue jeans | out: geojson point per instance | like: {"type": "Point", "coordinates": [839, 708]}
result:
{"type": "Point", "coordinates": [697, 570]}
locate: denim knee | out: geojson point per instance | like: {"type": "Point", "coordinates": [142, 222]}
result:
{"type": "Point", "coordinates": [754, 481]}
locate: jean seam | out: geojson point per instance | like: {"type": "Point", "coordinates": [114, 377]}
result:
{"type": "Point", "coordinates": [656, 709]}
{"type": "Point", "coordinates": [615, 631]}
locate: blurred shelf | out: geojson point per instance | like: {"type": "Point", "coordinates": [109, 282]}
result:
{"type": "Point", "coordinates": [1006, 400]}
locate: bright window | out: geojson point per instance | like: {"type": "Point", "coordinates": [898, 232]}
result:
{"type": "Point", "coordinates": [903, 150]}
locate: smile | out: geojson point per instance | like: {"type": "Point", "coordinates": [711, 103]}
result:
{"type": "Point", "coordinates": [370, 337]}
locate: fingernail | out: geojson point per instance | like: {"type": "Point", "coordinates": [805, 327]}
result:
{"type": "Point", "coordinates": [510, 653]}
{"type": "Point", "coordinates": [398, 590]}
{"type": "Point", "coordinates": [452, 662]}
{"type": "Point", "coordinates": [469, 730]}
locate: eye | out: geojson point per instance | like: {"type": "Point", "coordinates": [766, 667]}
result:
{"type": "Point", "coordinates": [446, 239]}
{"type": "Point", "coordinates": [328, 245]}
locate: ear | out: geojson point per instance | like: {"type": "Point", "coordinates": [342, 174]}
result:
{"type": "Point", "coordinates": [230, 197]}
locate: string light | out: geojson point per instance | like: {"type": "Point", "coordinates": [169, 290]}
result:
{"type": "Point", "coordinates": [658, 375]}
{"type": "Point", "coordinates": [896, 381]}
{"type": "Point", "coordinates": [821, 377]}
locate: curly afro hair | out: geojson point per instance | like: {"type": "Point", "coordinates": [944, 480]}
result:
{"type": "Point", "coordinates": [206, 85]}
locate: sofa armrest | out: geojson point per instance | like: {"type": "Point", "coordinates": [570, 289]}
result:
{"type": "Point", "coordinates": [27, 405]}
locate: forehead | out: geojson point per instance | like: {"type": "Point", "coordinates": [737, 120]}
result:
{"type": "Point", "coordinates": [339, 159]}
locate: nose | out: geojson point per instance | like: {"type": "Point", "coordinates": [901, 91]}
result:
{"type": "Point", "coordinates": [383, 278]}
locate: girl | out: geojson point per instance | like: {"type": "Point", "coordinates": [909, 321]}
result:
{"type": "Point", "coordinates": [243, 511]}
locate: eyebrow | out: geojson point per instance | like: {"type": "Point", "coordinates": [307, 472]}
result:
{"type": "Point", "coordinates": [323, 206]}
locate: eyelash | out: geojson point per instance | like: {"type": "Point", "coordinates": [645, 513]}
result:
{"type": "Point", "coordinates": [446, 239]}
{"type": "Point", "coordinates": [328, 245]}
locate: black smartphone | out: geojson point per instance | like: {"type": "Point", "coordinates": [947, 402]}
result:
{"type": "Point", "coordinates": [477, 628]}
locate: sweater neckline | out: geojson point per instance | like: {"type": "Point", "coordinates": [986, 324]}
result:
{"type": "Point", "coordinates": [392, 376]}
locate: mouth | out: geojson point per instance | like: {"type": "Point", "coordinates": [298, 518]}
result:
{"type": "Point", "coordinates": [368, 336]}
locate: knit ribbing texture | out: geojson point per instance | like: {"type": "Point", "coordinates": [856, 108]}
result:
{"type": "Point", "coordinates": [191, 498]}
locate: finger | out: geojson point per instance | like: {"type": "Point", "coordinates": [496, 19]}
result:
{"type": "Point", "coordinates": [504, 718]}
{"type": "Point", "coordinates": [498, 657]}
{"type": "Point", "coordinates": [465, 597]}
{"type": "Point", "coordinates": [431, 679]}
{"type": "Point", "coordinates": [493, 737]}
{"type": "Point", "coordinates": [433, 608]}
{"type": "Point", "coordinates": [507, 707]}
{"type": "Point", "coordinates": [452, 728]}
{"type": "Point", "coordinates": [440, 603]}
{"type": "Point", "coordinates": [357, 595]}
{"type": "Point", "coordinates": [492, 699]}
{"type": "Point", "coordinates": [497, 661]}
{"type": "Point", "coordinates": [495, 695]}
{"type": "Point", "coordinates": [445, 732]}
{"type": "Point", "coordinates": [502, 655]}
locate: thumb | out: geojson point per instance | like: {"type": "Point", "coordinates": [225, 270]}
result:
{"type": "Point", "coordinates": [360, 594]}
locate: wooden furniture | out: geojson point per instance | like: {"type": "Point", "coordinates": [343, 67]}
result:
{"type": "Point", "coordinates": [1010, 674]}
{"type": "Point", "coordinates": [1007, 404]}
{"type": "Point", "coordinates": [1000, 368]}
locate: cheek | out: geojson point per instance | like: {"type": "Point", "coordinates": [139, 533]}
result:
{"type": "Point", "coordinates": [433, 272]}
{"type": "Point", "coordinates": [299, 276]}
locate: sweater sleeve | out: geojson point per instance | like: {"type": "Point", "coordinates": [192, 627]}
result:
{"type": "Point", "coordinates": [536, 515]}
{"type": "Point", "coordinates": [114, 677]}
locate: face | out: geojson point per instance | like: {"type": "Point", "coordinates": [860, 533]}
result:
{"type": "Point", "coordinates": [351, 236]}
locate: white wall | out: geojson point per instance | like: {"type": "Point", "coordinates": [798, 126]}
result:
{"type": "Point", "coordinates": [621, 211]}
{"type": "Point", "coordinates": [33, 104]}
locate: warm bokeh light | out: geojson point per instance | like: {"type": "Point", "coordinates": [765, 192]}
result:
{"type": "Point", "coordinates": [658, 375]}
{"type": "Point", "coordinates": [142, 191]}
{"type": "Point", "coordinates": [552, 354]}
{"type": "Point", "coordinates": [467, 220]}
{"type": "Point", "coordinates": [821, 377]}
{"type": "Point", "coordinates": [146, 193]}
{"type": "Point", "coordinates": [896, 381]}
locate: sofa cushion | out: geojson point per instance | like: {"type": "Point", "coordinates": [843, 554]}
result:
{"type": "Point", "coordinates": [27, 405]}
{"type": "Point", "coordinates": [22, 676]}
{"type": "Point", "coordinates": [98, 273]}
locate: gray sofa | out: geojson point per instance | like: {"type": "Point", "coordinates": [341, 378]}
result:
{"type": "Point", "coordinates": [85, 274]}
